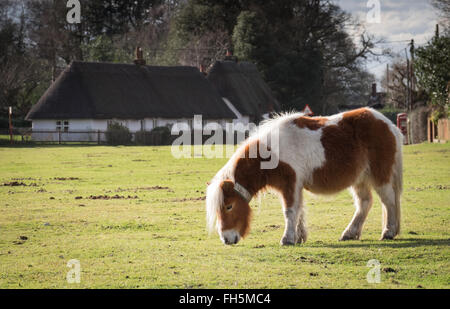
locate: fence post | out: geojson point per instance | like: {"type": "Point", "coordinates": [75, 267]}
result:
{"type": "Point", "coordinates": [98, 137]}
{"type": "Point", "coordinates": [59, 137]}
{"type": "Point", "coordinates": [10, 125]}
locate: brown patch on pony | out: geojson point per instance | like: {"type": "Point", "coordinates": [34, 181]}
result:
{"type": "Point", "coordinates": [249, 174]}
{"type": "Point", "coordinates": [357, 142]}
{"type": "Point", "coordinates": [311, 123]}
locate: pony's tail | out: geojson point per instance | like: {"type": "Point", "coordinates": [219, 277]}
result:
{"type": "Point", "coordinates": [391, 194]}
{"type": "Point", "coordinates": [397, 182]}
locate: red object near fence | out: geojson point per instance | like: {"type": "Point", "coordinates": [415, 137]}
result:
{"type": "Point", "coordinates": [307, 111]}
{"type": "Point", "coordinates": [402, 124]}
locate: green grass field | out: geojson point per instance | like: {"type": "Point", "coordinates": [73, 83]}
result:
{"type": "Point", "coordinates": [135, 218]}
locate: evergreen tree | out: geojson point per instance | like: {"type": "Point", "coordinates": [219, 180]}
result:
{"type": "Point", "coordinates": [432, 67]}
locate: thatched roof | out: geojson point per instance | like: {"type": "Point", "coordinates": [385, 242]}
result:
{"type": "Point", "coordinates": [105, 90]}
{"type": "Point", "coordinates": [243, 86]}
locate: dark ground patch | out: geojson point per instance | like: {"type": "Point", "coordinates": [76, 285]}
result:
{"type": "Point", "coordinates": [114, 197]}
{"type": "Point", "coordinates": [18, 184]}
{"type": "Point", "coordinates": [187, 199]}
{"type": "Point", "coordinates": [152, 188]}
{"type": "Point", "coordinates": [435, 187]}
{"type": "Point", "coordinates": [389, 270]}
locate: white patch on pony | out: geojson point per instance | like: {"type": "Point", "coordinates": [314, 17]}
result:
{"type": "Point", "coordinates": [334, 120]}
{"type": "Point", "coordinates": [301, 148]}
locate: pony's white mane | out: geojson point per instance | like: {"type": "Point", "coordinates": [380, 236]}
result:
{"type": "Point", "coordinates": [214, 194]}
{"type": "Point", "coordinates": [277, 120]}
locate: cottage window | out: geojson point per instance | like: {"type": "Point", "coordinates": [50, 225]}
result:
{"type": "Point", "coordinates": [62, 125]}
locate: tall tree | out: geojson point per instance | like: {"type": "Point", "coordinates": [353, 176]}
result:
{"type": "Point", "coordinates": [122, 25]}
{"type": "Point", "coordinates": [432, 67]}
{"type": "Point", "coordinates": [19, 74]}
{"type": "Point", "coordinates": [51, 36]}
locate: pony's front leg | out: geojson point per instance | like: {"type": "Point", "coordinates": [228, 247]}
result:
{"type": "Point", "coordinates": [292, 212]}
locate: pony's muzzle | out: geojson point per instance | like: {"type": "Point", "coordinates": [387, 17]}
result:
{"type": "Point", "coordinates": [230, 237]}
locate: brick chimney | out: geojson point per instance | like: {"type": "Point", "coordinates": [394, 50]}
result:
{"type": "Point", "coordinates": [139, 54]}
{"type": "Point", "coordinates": [202, 69]}
{"type": "Point", "coordinates": [374, 89]}
{"type": "Point", "coordinates": [229, 56]}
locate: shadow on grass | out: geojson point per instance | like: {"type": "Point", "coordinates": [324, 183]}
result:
{"type": "Point", "coordinates": [397, 243]}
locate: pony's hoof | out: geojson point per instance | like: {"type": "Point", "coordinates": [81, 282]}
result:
{"type": "Point", "coordinates": [387, 236]}
{"type": "Point", "coordinates": [348, 237]}
{"type": "Point", "coordinates": [301, 240]}
{"type": "Point", "coordinates": [285, 241]}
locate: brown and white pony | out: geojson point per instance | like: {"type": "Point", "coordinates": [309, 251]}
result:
{"type": "Point", "coordinates": [360, 149]}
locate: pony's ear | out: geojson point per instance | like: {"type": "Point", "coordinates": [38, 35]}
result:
{"type": "Point", "coordinates": [227, 187]}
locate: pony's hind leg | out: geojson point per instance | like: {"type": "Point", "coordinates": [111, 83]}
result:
{"type": "Point", "coordinates": [363, 202]}
{"type": "Point", "coordinates": [302, 232]}
{"type": "Point", "coordinates": [390, 199]}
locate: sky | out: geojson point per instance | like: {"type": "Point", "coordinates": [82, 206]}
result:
{"type": "Point", "coordinates": [399, 21]}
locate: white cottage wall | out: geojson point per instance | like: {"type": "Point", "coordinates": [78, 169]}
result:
{"type": "Point", "coordinates": [45, 129]}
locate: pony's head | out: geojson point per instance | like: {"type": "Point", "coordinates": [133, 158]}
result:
{"type": "Point", "coordinates": [230, 209]}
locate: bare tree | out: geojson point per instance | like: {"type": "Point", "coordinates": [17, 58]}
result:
{"type": "Point", "coordinates": [398, 88]}
{"type": "Point", "coordinates": [443, 8]}
{"type": "Point", "coordinates": [205, 49]}
{"type": "Point", "coordinates": [151, 34]}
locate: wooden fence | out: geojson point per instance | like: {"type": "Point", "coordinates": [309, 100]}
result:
{"type": "Point", "coordinates": [150, 138]}
{"type": "Point", "coordinates": [440, 132]}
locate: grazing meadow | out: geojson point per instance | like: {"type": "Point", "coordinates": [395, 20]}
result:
{"type": "Point", "coordinates": [134, 217]}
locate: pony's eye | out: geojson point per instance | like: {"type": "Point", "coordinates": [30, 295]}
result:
{"type": "Point", "coordinates": [228, 207]}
